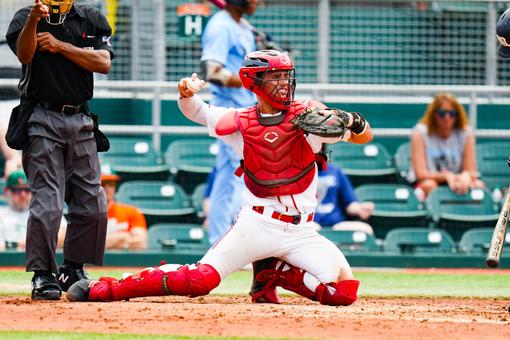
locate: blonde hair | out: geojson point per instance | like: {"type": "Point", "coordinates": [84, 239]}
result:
{"type": "Point", "coordinates": [429, 117]}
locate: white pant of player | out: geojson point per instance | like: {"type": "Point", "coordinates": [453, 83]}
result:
{"type": "Point", "coordinates": [255, 237]}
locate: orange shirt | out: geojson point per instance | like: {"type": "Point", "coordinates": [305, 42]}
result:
{"type": "Point", "coordinates": [124, 217]}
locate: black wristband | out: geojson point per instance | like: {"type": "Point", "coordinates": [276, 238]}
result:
{"type": "Point", "coordinates": [358, 123]}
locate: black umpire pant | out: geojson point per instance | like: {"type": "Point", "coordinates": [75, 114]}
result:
{"type": "Point", "coordinates": [61, 163]}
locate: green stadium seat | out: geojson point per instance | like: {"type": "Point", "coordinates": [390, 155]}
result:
{"type": "Point", "coordinates": [197, 199]}
{"type": "Point", "coordinates": [160, 202]}
{"type": "Point", "coordinates": [3, 199]}
{"type": "Point", "coordinates": [477, 240]}
{"type": "Point", "coordinates": [350, 240]}
{"type": "Point", "coordinates": [134, 158]}
{"type": "Point", "coordinates": [491, 160]}
{"type": "Point", "coordinates": [172, 236]}
{"type": "Point", "coordinates": [396, 206]}
{"type": "Point", "coordinates": [458, 213]}
{"type": "Point", "coordinates": [191, 160]}
{"type": "Point", "coordinates": [364, 163]}
{"type": "Point", "coordinates": [403, 161]}
{"type": "Point", "coordinates": [418, 240]}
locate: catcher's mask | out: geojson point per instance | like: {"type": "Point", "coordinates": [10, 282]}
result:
{"type": "Point", "coordinates": [257, 64]}
{"type": "Point", "coordinates": [58, 10]}
{"type": "Point", "coordinates": [503, 34]}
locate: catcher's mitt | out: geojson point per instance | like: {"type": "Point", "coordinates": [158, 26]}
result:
{"type": "Point", "coordinates": [323, 122]}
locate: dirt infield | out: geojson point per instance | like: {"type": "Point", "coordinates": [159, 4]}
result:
{"type": "Point", "coordinates": [369, 318]}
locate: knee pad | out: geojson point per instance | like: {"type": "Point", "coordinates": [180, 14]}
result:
{"type": "Point", "coordinates": [345, 293]}
{"type": "Point", "coordinates": [191, 280]}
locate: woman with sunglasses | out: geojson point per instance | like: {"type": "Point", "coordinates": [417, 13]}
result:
{"type": "Point", "coordinates": [443, 148]}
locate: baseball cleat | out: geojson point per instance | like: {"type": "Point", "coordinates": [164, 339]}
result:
{"type": "Point", "coordinates": [79, 291]}
{"type": "Point", "coordinates": [67, 275]}
{"type": "Point", "coordinates": [45, 287]}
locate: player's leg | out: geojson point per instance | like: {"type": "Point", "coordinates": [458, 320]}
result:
{"type": "Point", "coordinates": [229, 254]}
{"type": "Point", "coordinates": [315, 268]}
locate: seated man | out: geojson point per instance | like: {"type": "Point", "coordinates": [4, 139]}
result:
{"type": "Point", "coordinates": [14, 217]}
{"type": "Point", "coordinates": [127, 228]}
{"type": "Point", "coordinates": [337, 203]}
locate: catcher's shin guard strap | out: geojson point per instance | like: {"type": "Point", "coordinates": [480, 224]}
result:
{"type": "Point", "coordinates": [345, 293]}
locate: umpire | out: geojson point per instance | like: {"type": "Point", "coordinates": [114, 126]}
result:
{"type": "Point", "coordinates": [60, 45]}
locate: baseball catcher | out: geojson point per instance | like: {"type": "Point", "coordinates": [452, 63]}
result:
{"type": "Point", "coordinates": [278, 141]}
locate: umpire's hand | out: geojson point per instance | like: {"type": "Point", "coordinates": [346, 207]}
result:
{"type": "Point", "coordinates": [47, 42]}
{"type": "Point", "coordinates": [38, 11]}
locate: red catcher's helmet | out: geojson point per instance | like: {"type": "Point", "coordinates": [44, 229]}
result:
{"type": "Point", "coordinates": [257, 64]}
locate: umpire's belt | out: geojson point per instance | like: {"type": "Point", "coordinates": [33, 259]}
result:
{"type": "Point", "coordinates": [294, 219]}
{"type": "Point", "coordinates": [62, 108]}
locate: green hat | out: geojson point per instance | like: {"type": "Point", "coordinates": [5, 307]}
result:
{"type": "Point", "coordinates": [16, 178]}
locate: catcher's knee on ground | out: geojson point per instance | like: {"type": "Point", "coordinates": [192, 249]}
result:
{"type": "Point", "coordinates": [342, 293]}
{"type": "Point", "coordinates": [185, 280]}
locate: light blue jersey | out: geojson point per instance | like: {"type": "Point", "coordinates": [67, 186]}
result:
{"type": "Point", "coordinates": [226, 42]}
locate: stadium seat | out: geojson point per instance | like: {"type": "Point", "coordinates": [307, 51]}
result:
{"type": "Point", "coordinates": [477, 240]}
{"type": "Point", "coordinates": [403, 161]}
{"type": "Point", "coordinates": [3, 199]}
{"type": "Point", "coordinates": [492, 164]}
{"type": "Point", "coordinates": [418, 240]}
{"type": "Point", "coordinates": [367, 163]}
{"type": "Point", "coordinates": [458, 213]}
{"type": "Point", "coordinates": [134, 158]}
{"type": "Point", "coordinates": [395, 206]}
{"type": "Point", "coordinates": [350, 240]}
{"type": "Point", "coordinates": [159, 201]}
{"type": "Point", "coordinates": [172, 236]}
{"type": "Point", "coordinates": [197, 199]}
{"type": "Point", "coordinates": [191, 160]}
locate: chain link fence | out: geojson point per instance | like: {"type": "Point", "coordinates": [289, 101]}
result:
{"type": "Point", "coordinates": [332, 41]}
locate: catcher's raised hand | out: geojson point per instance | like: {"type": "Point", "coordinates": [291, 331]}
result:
{"type": "Point", "coordinates": [38, 11]}
{"type": "Point", "coordinates": [190, 85]}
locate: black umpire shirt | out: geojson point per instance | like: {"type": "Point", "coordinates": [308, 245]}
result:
{"type": "Point", "coordinates": [51, 76]}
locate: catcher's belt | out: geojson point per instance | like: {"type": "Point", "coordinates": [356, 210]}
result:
{"type": "Point", "coordinates": [294, 219]}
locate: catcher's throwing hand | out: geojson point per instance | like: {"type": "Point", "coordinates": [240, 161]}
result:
{"type": "Point", "coordinates": [191, 85]}
{"type": "Point", "coordinates": [38, 11]}
{"type": "Point", "coordinates": [329, 122]}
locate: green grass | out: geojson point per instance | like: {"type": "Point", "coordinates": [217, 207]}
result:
{"type": "Point", "coordinates": [374, 284]}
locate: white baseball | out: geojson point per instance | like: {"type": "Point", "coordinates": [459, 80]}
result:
{"type": "Point", "coordinates": [194, 84]}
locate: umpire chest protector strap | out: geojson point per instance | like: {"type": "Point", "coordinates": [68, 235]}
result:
{"type": "Point", "coordinates": [277, 158]}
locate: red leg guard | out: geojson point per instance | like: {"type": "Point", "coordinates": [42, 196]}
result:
{"type": "Point", "coordinates": [155, 282]}
{"type": "Point", "coordinates": [290, 279]}
{"type": "Point", "coordinates": [345, 293]}
{"type": "Point", "coordinates": [261, 292]}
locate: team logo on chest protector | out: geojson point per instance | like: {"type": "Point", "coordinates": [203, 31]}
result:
{"type": "Point", "coordinates": [271, 137]}
{"type": "Point", "coordinates": [284, 163]}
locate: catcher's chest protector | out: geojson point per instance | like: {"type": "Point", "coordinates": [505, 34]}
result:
{"type": "Point", "coordinates": [277, 159]}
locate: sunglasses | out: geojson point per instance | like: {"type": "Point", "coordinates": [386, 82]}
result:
{"type": "Point", "coordinates": [451, 113]}
{"type": "Point", "coordinates": [18, 190]}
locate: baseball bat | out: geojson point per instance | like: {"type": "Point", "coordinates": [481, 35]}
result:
{"type": "Point", "coordinates": [498, 237]}
{"type": "Point", "coordinates": [219, 3]}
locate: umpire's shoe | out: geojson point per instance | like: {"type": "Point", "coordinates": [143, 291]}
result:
{"type": "Point", "coordinates": [45, 287]}
{"type": "Point", "coordinates": [67, 275]}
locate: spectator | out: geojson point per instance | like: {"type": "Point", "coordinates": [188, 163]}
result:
{"type": "Point", "coordinates": [443, 148]}
{"type": "Point", "coordinates": [127, 228]}
{"type": "Point", "coordinates": [14, 217]}
{"type": "Point", "coordinates": [337, 203]}
{"type": "Point", "coordinates": [11, 157]}
{"type": "Point", "coordinates": [226, 40]}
